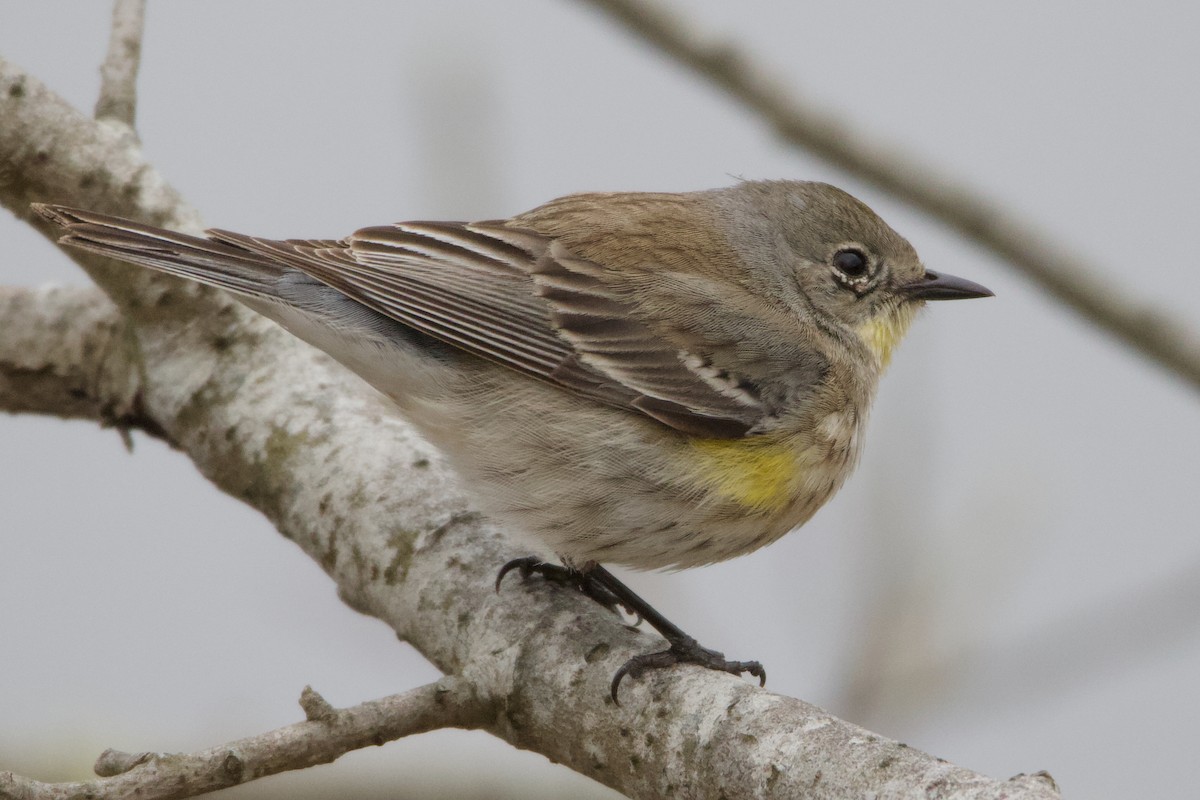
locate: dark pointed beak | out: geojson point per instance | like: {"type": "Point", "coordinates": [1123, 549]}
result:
{"type": "Point", "coordinates": [940, 286]}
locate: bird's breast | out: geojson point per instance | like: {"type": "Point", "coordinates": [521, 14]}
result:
{"type": "Point", "coordinates": [753, 472]}
{"type": "Point", "coordinates": [786, 473]}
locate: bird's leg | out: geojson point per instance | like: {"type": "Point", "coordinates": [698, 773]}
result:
{"type": "Point", "coordinates": [683, 650]}
{"type": "Point", "coordinates": [603, 587]}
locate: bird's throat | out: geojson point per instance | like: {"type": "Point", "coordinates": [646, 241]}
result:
{"type": "Point", "coordinates": [884, 331]}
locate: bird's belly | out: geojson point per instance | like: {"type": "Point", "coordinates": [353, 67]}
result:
{"type": "Point", "coordinates": [680, 503]}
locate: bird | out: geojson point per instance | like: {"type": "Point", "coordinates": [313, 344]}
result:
{"type": "Point", "coordinates": [654, 380]}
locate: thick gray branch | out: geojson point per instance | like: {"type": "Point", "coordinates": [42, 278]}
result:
{"type": "Point", "coordinates": [167, 776]}
{"type": "Point", "coordinates": [118, 74]}
{"type": "Point", "coordinates": [63, 352]}
{"type": "Point", "coordinates": [1062, 273]}
{"type": "Point", "coordinates": [276, 424]}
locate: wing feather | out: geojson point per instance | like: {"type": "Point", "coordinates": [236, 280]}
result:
{"type": "Point", "coordinates": [521, 300]}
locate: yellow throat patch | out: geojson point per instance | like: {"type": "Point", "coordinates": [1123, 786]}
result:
{"type": "Point", "coordinates": [882, 333]}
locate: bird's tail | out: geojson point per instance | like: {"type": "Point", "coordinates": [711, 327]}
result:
{"type": "Point", "coordinates": [213, 260]}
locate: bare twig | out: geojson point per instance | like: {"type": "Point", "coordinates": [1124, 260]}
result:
{"type": "Point", "coordinates": [448, 703]}
{"type": "Point", "coordinates": [118, 74]}
{"type": "Point", "coordinates": [272, 422]}
{"type": "Point", "coordinates": [1052, 266]}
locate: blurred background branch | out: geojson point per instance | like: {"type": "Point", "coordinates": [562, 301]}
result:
{"type": "Point", "coordinates": [1052, 266]}
{"type": "Point", "coordinates": [1127, 632]}
{"type": "Point", "coordinates": [118, 87]}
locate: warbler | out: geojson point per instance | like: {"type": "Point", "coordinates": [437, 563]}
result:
{"type": "Point", "coordinates": [654, 380]}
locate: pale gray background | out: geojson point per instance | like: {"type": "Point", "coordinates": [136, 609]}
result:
{"type": "Point", "coordinates": [1011, 580]}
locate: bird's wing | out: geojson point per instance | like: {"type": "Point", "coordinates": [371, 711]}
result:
{"type": "Point", "coordinates": [515, 297]}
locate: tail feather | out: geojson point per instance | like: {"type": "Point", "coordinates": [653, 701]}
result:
{"type": "Point", "coordinates": [223, 263]}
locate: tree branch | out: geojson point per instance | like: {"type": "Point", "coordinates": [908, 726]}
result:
{"type": "Point", "coordinates": [1050, 265]}
{"type": "Point", "coordinates": [448, 703]}
{"type": "Point", "coordinates": [118, 74]}
{"type": "Point", "coordinates": [64, 352]}
{"type": "Point", "coordinates": [278, 425]}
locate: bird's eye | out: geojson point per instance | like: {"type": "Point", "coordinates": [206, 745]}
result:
{"type": "Point", "coordinates": [851, 263]}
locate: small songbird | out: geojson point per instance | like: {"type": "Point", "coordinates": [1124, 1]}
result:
{"type": "Point", "coordinates": [654, 380]}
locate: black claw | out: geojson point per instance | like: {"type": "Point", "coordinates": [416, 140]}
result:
{"type": "Point", "coordinates": [637, 666]}
{"type": "Point", "coordinates": [756, 669]}
{"type": "Point", "coordinates": [616, 682]}
{"type": "Point", "coordinates": [526, 564]}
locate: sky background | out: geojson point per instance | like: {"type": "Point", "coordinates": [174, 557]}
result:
{"type": "Point", "coordinates": [1011, 580]}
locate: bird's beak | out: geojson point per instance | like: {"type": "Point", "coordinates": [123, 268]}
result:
{"type": "Point", "coordinates": [940, 286]}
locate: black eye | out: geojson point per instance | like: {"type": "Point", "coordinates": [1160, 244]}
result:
{"type": "Point", "coordinates": [850, 263]}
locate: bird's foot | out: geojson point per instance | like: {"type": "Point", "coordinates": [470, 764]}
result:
{"type": "Point", "coordinates": [685, 650]}
{"type": "Point", "coordinates": [565, 576]}
{"type": "Point", "coordinates": [603, 587]}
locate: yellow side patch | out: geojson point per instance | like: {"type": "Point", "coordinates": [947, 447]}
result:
{"type": "Point", "coordinates": [885, 331]}
{"type": "Point", "coordinates": [758, 473]}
